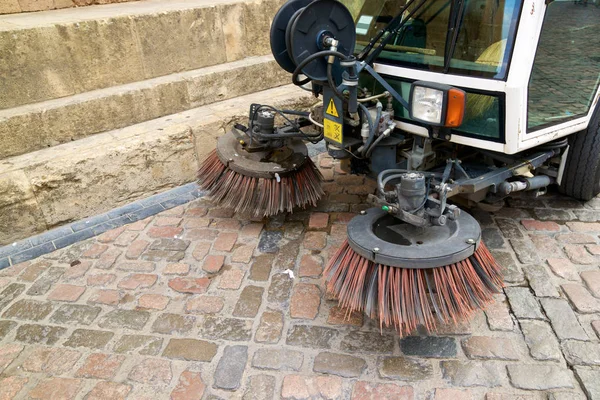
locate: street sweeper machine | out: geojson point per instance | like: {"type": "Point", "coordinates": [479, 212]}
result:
{"type": "Point", "coordinates": [445, 103]}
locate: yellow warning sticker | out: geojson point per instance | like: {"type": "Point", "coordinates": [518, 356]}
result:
{"type": "Point", "coordinates": [331, 110]}
{"type": "Point", "coordinates": [333, 130]}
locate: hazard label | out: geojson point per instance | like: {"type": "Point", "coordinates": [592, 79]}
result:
{"type": "Point", "coordinates": [331, 110]}
{"type": "Point", "coordinates": [333, 130]}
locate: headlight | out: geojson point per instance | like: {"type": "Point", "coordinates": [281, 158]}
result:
{"type": "Point", "coordinates": [427, 104]}
{"type": "Point", "coordinates": [437, 104]}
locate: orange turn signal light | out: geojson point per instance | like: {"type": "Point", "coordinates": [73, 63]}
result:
{"type": "Point", "coordinates": [455, 111]}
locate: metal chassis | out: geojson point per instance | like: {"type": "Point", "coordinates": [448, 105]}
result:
{"type": "Point", "coordinates": [494, 178]}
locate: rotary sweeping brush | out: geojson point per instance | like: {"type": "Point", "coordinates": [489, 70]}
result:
{"type": "Point", "coordinates": [407, 264]}
{"type": "Point", "coordinates": [262, 170]}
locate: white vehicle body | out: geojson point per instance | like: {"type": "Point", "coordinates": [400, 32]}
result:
{"type": "Point", "coordinates": [515, 87]}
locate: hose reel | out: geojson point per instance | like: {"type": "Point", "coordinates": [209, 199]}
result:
{"type": "Point", "coordinates": [302, 28]}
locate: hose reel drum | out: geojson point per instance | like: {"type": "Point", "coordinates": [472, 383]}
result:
{"type": "Point", "coordinates": [301, 28]}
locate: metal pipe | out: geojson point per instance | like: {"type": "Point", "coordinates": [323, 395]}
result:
{"type": "Point", "coordinates": [533, 183]}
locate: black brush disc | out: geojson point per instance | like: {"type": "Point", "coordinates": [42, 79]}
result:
{"type": "Point", "coordinates": [381, 238]}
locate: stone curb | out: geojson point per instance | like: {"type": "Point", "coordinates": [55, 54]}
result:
{"type": "Point", "coordinates": [66, 235]}
{"type": "Point", "coordinates": [49, 241]}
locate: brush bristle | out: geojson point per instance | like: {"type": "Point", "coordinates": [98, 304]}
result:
{"type": "Point", "coordinates": [259, 196]}
{"type": "Point", "coordinates": [406, 298]}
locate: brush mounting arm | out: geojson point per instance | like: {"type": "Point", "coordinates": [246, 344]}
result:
{"type": "Point", "coordinates": [262, 134]}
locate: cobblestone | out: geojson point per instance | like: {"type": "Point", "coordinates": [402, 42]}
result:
{"type": "Point", "coordinates": [189, 387]}
{"type": "Point", "coordinates": [523, 303]}
{"type": "Point", "coordinates": [152, 371]}
{"type": "Point", "coordinates": [592, 281]}
{"type": "Point", "coordinates": [539, 377]}
{"type": "Point", "coordinates": [249, 302]}
{"type": "Point", "coordinates": [270, 327]}
{"type": "Point", "coordinates": [339, 364]}
{"type": "Point", "coordinates": [472, 373]}
{"type": "Point", "coordinates": [190, 349]}
{"type": "Point", "coordinates": [308, 387]}
{"type": "Point", "coordinates": [280, 289]}
{"type": "Point", "coordinates": [55, 361]}
{"type": "Point", "coordinates": [148, 327]}
{"type": "Point", "coordinates": [233, 329]}
{"type": "Point", "coordinates": [305, 302]}
{"type": "Point", "coordinates": [6, 327]}
{"type": "Point", "coordinates": [563, 268]}
{"type": "Point", "coordinates": [169, 324]}
{"type": "Point", "coordinates": [231, 279]}
{"type": "Point", "coordinates": [579, 254]}
{"type": "Point", "coordinates": [311, 336]}
{"type": "Point", "coordinates": [142, 344]}
{"type": "Point", "coordinates": [581, 298]}
{"type": "Point", "coordinates": [204, 305]}
{"type": "Point", "coordinates": [260, 387]}
{"type": "Point", "coordinates": [11, 386]}
{"type": "Point", "coordinates": [540, 281]}
{"type": "Point", "coordinates": [39, 334]}
{"type": "Point", "coordinates": [109, 390]}
{"type": "Point", "coordinates": [381, 391]}
{"type": "Point", "coordinates": [105, 296]}
{"type": "Point", "coordinates": [590, 381]}
{"type": "Point", "coordinates": [581, 353]}
{"type": "Point", "coordinates": [405, 368]}
{"type": "Point", "coordinates": [368, 342]}
{"type": "Point", "coordinates": [491, 348]}
{"type": "Point", "coordinates": [31, 310]}
{"type": "Point", "coordinates": [541, 341]}
{"type": "Point", "coordinates": [563, 319]}
{"type": "Point", "coordinates": [189, 285]}
{"type": "Point", "coordinates": [128, 319]}
{"type": "Point", "coordinates": [429, 346]}
{"type": "Point", "coordinates": [56, 388]}
{"type": "Point", "coordinates": [231, 366]}
{"type": "Point", "coordinates": [89, 338]}
{"type": "Point", "coordinates": [100, 366]}
{"type": "Point", "coordinates": [278, 359]}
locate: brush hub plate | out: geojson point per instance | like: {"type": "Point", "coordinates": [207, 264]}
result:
{"type": "Point", "coordinates": [383, 239]}
{"type": "Point", "coordinates": [261, 164]}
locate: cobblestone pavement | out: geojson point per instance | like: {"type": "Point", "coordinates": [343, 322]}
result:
{"type": "Point", "coordinates": [194, 303]}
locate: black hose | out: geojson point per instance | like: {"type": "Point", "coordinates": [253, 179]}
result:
{"type": "Point", "coordinates": [311, 58]}
{"type": "Point", "coordinates": [331, 83]}
{"type": "Point", "coordinates": [375, 143]}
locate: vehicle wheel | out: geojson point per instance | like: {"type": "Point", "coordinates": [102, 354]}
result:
{"type": "Point", "coordinates": [581, 178]}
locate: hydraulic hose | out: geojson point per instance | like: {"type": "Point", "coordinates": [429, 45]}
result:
{"type": "Point", "coordinates": [372, 126]}
{"type": "Point", "coordinates": [308, 60]}
{"type": "Point", "coordinates": [332, 83]}
{"type": "Point", "coordinates": [382, 136]}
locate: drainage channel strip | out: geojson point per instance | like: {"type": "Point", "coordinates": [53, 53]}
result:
{"type": "Point", "coordinates": [66, 235]}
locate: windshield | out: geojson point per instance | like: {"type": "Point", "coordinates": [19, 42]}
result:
{"type": "Point", "coordinates": [485, 31]}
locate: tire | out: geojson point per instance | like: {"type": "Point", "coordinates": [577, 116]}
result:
{"type": "Point", "coordinates": [581, 177]}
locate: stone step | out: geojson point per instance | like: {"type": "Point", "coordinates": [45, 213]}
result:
{"type": "Point", "coordinates": [74, 180]}
{"type": "Point", "coordinates": [58, 53]}
{"type": "Point", "coordinates": [36, 126]}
